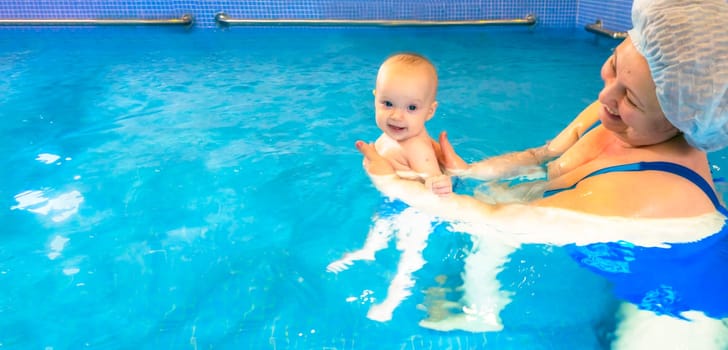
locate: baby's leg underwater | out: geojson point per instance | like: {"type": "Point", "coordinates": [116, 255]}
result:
{"type": "Point", "coordinates": [483, 299]}
{"type": "Point", "coordinates": [412, 229]}
{"type": "Point", "coordinates": [377, 239]}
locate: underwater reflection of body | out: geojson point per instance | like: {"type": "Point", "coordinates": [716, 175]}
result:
{"type": "Point", "coordinates": [669, 274]}
{"type": "Point", "coordinates": [672, 280]}
{"type": "Point", "coordinates": [680, 291]}
{"type": "Point", "coordinates": [478, 309]}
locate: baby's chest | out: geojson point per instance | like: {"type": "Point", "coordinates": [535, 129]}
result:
{"type": "Point", "coordinates": [394, 153]}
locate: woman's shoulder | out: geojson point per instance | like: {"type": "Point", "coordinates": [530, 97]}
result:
{"type": "Point", "coordinates": [644, 183]}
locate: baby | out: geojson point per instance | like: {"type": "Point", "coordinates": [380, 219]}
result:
{"type": "Point", "coordinates": [404, 99]}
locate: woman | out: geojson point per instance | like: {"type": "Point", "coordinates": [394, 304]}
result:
{"type": "Point", "coordinates": [663, 106]}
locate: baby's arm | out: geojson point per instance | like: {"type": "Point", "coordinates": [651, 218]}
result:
{"type": "Point", "coordinates": [422, 160]}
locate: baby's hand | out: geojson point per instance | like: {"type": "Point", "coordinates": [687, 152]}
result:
{"type": "Point", "coordinates": [440, 185]}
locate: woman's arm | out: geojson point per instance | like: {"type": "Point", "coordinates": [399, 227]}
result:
{"type": "Point", "coordinates": [415, 193]}
{"type": "Point", "coordinates": [531, 223]}
{"type": "Point", "coordinates": [511, 164]}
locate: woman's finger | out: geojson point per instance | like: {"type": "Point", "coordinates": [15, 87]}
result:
{"type": "Point", "coordinates": [438, 151]}
{"type": "Point", "coordinates": [374, 163]}
{"type": "Point", "coordinates": [450, 159]}
{"type": "Point", "coordinates": [366, 150]}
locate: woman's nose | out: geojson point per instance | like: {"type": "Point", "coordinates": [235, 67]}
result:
{"type": "Point", "coordinates": [609, 94]}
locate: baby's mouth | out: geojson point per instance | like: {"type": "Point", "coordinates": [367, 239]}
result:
{"type": "Point", "coordinates": [396, 128]}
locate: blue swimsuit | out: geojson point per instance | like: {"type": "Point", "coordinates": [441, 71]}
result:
{"type": "Point", "coordinates": [684, 277]}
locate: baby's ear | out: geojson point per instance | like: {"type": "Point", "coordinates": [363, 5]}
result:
{"type": "Point", "coordinates": [374, 92]}
{"type": "Point", "coordinates": [433, 108]}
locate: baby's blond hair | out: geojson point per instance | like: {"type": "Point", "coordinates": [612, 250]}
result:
{"type": "Point", "coordinates": [414, 59]}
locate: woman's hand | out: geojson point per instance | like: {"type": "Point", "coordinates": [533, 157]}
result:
{"type": "Point", "coordinates": [374, 163]}
{"type": "Point", "coordinates": [447, 157]}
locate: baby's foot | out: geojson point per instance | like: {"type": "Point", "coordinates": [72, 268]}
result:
{"type": "Point", "coordinates": [348, 260]}
{"type": "Point", "coordinates": [339, 265]}
{"type": "Point", "coordinates": [464, 322]}
{"type": "Point", "coordinates": [380, 312]}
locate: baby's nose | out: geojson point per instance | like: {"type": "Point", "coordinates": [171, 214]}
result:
{"type": "Point", "coordinates": [397, 113]}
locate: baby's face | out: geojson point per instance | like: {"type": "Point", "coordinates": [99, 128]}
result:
{"type": "Point", "coordinates": [404, 100]}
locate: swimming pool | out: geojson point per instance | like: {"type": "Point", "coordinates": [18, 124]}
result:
{"type": "Point", "coordinates": [170, 189]}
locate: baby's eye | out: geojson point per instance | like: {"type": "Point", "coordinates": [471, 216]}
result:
{"type": "Point", "coordinates": [388, 104]}
{"type": "Point", "coordinates": [612, 63]}
{"type": "Point", "coordinates": [412, 108]}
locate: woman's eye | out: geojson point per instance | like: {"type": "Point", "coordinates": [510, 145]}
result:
{"type": "Point", "coordinates": [412, 108]}
{"type": "Point", "coordinates": [630, 102]}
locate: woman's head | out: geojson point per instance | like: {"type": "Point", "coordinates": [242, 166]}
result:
{"type": "Point", "coordinates": [630, 106]}
{"type": "Point", "coordinates": [685, 45]}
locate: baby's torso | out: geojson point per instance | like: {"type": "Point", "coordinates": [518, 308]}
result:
{"type": "Point", "coordinates": [393, 151]}
{"type": "Point", "coordinates": [397, 155]}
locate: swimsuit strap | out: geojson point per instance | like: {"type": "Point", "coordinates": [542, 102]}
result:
{"type": "Point", "coordinates": [596, 123]}
{"type": "Point", "coordinates": [668, 167]}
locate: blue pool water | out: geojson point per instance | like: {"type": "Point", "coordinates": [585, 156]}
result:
{"type": "Point", "coordinates": [186, 190]}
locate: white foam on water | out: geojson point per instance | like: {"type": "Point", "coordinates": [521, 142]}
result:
{"type": "Point", "coordinates": [70, 271]}
{"type": "Point", "coordinates": [187, 234]}
{"type": "Point", "coordinates": [56, 246]}
{"type": "Point", "coordinates": [47, 158]}
{"type": "Point", "coordinates": [59, 208]}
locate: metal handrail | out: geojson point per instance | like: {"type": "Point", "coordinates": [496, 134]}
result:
{"type": "Point", "coordinates": [225, 20]}
{"type": "Point", "coordinates": [597, 28]}
{"type": "Point", "coordinates": [184, 20]}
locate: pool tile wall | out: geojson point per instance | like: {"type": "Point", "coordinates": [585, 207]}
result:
{"type": "Point", "coordinates": [615, 14]}
{"type": "Point", "coordinates": [549, 13]}
{"type": "Point", "coordinates": [552, 13]}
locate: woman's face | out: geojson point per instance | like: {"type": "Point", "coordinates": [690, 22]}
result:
{"type": "Point", "coordinates": [629, 103]}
